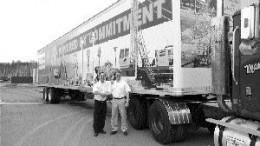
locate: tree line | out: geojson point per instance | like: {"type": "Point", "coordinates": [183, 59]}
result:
{"type": "Point", "coordinates": [17, 68]}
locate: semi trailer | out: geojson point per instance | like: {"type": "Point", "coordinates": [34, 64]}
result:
{"type": "Point", "coordinates": [170, 52]}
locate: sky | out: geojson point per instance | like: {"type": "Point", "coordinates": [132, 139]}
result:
{"type": "Point", "coordinates": [29, 25]}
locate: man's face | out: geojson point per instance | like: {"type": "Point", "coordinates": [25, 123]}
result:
{"type": "Point", "coordinates": [102, 77]}
{"type": "Point", "coordinates": [118, 76]}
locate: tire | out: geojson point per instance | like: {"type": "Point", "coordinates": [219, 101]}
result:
{"type": "Point", "coordinates": [45, 94]}
{"type": "Point", "coordinates": [81, 97]}
{"type": "Point", "coordinates": [76, 95]}
{"type": "Point", "coordinates": [73, 96]}
{"type": "Point", "coordinates": [162, 130]}
{"type": "Point", "coordinates": [179, 132]}
{"type": "Point", "coordinates": [53, 95]}
{"type": "Point", "coordinates": [137, 114]}
{"type": "Point", "coordinates": [211, 128]}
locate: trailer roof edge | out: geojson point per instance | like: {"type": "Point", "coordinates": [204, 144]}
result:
{"type": "Point", "coordinates": [88, 20]}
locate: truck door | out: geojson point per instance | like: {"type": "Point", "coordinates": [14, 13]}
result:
{"type": "Point", "coordinates": [246, 73]}
{"type": "Point", "coordinates": [250, 81]}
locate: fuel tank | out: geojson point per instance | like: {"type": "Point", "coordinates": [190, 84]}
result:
{"type": "Point", "coordinates": [224, 136]}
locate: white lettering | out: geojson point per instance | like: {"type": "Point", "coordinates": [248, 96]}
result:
{"type": "Point", "coordinates": [148, 14]}
{"type": "Point", "coordinates": [114, 27]}
{"type": "Point", "coordinates": [89, 37]}
{"type": "Point", "coordinates": [96, 35]}
{"type": "Point", "coordinates": [251, 68]}
{"type": "Point", "coordinates": [83, 41]}
{"type": "Point", "coordinates": [118, 22]}
{"type": "Point", "coordinates": [109, 28]}
{"type": "Point", "coordinates": [102, 33]}
{"type": "Point", "coordinates": [256, 66]}
{"type": "Point", "coordinates": [121, 24]}
{"type": "Point", "coordinates": [126, 22]}
{"type": "Point", "coordinates": [158, 5]}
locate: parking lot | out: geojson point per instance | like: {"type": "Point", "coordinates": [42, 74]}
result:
{"type": "Point", "coordinates": [27, 120]}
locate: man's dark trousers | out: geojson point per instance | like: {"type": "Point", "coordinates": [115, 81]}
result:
{"type": "Point", "coordinates": [100, 111]}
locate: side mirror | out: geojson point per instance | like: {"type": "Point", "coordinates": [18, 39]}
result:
{"type": "Point", "coordinates": [250, 22]}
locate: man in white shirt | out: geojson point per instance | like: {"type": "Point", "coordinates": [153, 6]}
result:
{"type": "Point", "coordinates": [120, 93]}
{"type": "Point", "coordinates": [100, 90]}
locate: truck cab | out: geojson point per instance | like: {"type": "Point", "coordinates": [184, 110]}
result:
{"type": "Point", "coordinates": [246, 61]}
{"type": "Point", "coordinates": [242, 125]}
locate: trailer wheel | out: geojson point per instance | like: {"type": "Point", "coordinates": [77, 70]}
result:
{"type": "Point", "coordinates": [73, 96]}
{"type": "Point", "coordinates": [137, 113]}
{"type": "Point", "coordinates": [81, 97]}
{"type": "Point", "coordinates": [161, 128]}
{"type": "Point", "coordinates": [76, 95]}
{"type": "Point", "coordinates": [53, 95]}
{"type": "Point", "coordinates": [45, 94]}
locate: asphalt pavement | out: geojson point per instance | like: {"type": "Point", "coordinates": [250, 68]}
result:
{"type": "Point", "coordinates": [27, 121]}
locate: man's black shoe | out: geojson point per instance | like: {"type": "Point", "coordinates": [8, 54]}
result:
{"type": "Point", "coordinates": [113, 132]}
{"type": "Point", "coordinates": [95, 134]}
{"type": "Point", "coordinates": [102, 132]}
{"type": "Point", "coordinates": [125, 133]}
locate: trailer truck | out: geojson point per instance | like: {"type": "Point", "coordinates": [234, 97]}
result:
{"type": "Point", "coordinates": [170, 53]}
{"type": "Point", "coordinates": [242, 125]}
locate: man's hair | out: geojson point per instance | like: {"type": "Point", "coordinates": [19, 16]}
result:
{"type": "Point", "coordinates": [101, 73]}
